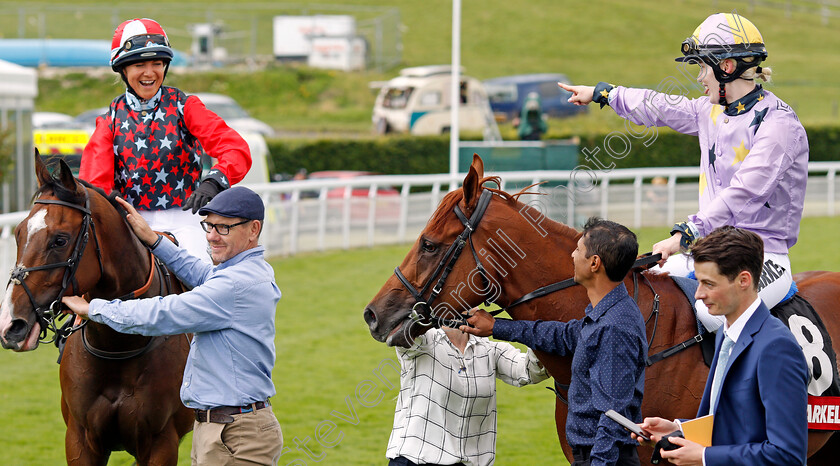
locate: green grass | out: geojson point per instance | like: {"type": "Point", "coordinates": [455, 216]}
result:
{"type": "Point", "coordinates": [324, 353]}
{"type": "Point", "coordinates": [628, 43]}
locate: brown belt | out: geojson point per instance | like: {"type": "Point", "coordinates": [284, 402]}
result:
{"type": "Point", "coordinates": [224, 414]}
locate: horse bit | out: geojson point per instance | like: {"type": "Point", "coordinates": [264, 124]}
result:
{"type": "Point", "coordinates": [49, 315]}
{"type": "Point", "coordinates": [445, 266]}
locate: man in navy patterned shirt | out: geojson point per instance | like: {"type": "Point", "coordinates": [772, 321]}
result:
{"type": "Point", "coordinates": [607, 346]}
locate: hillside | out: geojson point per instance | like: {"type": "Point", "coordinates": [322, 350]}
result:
{"type": "Point", "coordinates": [629, 43]}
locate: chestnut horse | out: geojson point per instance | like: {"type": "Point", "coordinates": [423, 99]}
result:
{"type": "Point", "coordinates": [118, 392]}
{"type": "Point", "coordinates": [513, 250]}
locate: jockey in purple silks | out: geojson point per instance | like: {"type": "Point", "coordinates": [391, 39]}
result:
{"type": "Point", "coordinates": [753, 149]}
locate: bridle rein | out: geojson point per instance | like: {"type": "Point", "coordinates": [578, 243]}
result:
{"type": "Point", "coordinates": [48, 316]}
{"type": "Point", "coordinates": [426, 317]}
{"type": "Point", "coordinates": [447, 263]}
{"type": "Point", "coordinates": [445, 266]}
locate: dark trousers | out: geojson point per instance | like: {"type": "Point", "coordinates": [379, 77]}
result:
{"type": "Point", "coordinates": [403, 461]}
{"type": "Point", "coordinates": [627, 456]}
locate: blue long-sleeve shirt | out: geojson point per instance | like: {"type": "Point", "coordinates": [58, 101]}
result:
{"type": "Point", "coordinates": [231, 312]}
{"type": "Point", "coordinates": [608, 351]}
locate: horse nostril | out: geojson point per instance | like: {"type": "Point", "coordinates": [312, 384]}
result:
{"type": "Point", "coordinates": [370, 318]}
{"type": "Point", "coordinates": [17, 331]}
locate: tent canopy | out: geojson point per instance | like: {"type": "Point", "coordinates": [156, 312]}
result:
{"type": "Point", "coordinates": [17, 81]}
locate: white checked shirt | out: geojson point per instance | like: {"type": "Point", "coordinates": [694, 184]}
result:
{"type": "Point", "coordinates": [446, 409]}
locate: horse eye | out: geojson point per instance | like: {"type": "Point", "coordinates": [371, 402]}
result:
{"type": "Point", "coordinates": [59, 242]}
{"type": "Point", "coordinates": [428, 246]}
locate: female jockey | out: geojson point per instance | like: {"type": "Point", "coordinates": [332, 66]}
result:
{"type": "Point", "coordinates": [753, 149]}
{"type": "Point", "coordinates": [148, 146]}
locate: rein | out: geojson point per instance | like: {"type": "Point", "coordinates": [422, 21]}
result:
{"type": "Point", "coordinates": [445, 266]}
{"type": "Point", "coordinates": [447, 263]}
{"type": "Point", "coordinates": [49, 315]}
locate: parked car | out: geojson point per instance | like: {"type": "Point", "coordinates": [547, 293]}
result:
{"type": "Point", "coordinates": [387, 198]}
{"type": "Point", "coordinates": [355, 192]}
{"type": "Point", "coordinates": [59, 136]}
{"type": "Point", "coordinates": [418, 102]}
{"type": "Point", "coordinates": [507, 93]}
{"type": "Point", "coordinates": [235, 116]}
{"type": "Point", "coordinates": [47, 120]}
{"type": "Point", "coordinates": [88, 118]}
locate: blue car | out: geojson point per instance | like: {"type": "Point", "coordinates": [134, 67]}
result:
{"type": "Point", "coordinates": [507, 93]}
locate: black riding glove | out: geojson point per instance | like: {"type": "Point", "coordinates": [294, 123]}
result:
{"type": "Point", "coordinates": [202, 195]}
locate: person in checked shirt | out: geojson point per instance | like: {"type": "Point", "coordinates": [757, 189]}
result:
{"type": "Point", "coordinates": [607, 346]}
{"type": "Point", "coordinates": [148, 145]}
{"type": "Point", "coordinates": [446, 408]}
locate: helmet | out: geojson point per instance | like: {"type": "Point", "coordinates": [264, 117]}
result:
{"type": "Point", "coordinates": [722, 36]}
{"type": "Point", "coordinates": [139, 40]}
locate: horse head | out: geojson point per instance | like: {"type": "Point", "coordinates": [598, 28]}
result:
{"type": "Point", "coordinates": [481, 245]}
{"type": "Point", "coordinates": [53, 257]}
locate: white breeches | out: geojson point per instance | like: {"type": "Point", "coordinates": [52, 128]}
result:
{"type": "Point", "coordinates": [184, 225]}
{"type": "Point", "coordinates": [774, 283]}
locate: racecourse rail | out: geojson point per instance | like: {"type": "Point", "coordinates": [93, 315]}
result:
{"type": "Point", "coordinates": [318, 215]}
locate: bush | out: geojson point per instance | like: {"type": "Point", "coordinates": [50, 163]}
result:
{"type": "Point", "coordinates": [418, 155]}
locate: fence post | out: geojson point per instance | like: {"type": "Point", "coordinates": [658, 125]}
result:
{"type": "Point", "coordinates": [637, 201]}
{"type": "Point", "coordinates": [294, 222]}
{"type": "Point", "coordinates": [322, 218]}
{"type": "Point", "coordinates": [605, 196]}
{"type": "Point", "coordinates": [371, 220]}
{"type": "Point", "coordinates": [345, 221]}
{"type": "Point", "coordinates": [403, 212]}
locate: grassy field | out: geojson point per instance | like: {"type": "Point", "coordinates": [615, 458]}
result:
{"type": "Point", "coordinates": [324, 352]}
{"type": "Point", "coordinates": [628, 43]}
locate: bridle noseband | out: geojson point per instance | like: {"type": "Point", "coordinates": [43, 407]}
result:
{"type": "Point", "coordinates": [49, 315]}
{"type": "Point", "coordinates": [445, 266]}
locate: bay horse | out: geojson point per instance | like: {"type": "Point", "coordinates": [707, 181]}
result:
{"type": "Point", "coordinates": [118, 391]}
{"type": "Point", "coordinates": [512, 250]}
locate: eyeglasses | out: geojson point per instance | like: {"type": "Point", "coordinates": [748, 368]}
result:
{"type": "Point", "coordinates": [145, 40]}
{"type": "Point", "coordinates": [221, 228]}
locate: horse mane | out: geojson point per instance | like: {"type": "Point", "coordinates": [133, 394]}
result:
{"type": "Point", "coordinates": [452, 199]}
{"type": "Point", "coordinates": [74, 196]}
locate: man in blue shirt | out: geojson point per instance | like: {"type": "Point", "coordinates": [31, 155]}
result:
{"type": "Point", "coordinates": [230, 309]}
{"type": "Point", "coordinates": [608, 346]}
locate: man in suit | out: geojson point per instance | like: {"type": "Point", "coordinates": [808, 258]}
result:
{"type": "Point", "coordinates": [758, 386]}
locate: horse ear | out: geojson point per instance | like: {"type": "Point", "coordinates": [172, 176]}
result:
{"type": "Point", "coordinates": [472, 183]}
{"type": "Point", "coordinates": [41, 170]}
{"type": "Point", "coordinates": [65, 175]}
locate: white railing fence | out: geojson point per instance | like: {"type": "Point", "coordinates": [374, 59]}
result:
{"type": "Point", "coordinates": [317, 215]}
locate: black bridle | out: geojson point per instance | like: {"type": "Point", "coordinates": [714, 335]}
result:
{"type": "Point", "coordinates": [444, 267]}
{"type": "Point", "coordinates": [447, 263]}
{"type": "Point", "coordinates": [48, 316]}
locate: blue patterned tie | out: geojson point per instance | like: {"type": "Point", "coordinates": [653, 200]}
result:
{"type": "Point", "coordinates": [723, 358]}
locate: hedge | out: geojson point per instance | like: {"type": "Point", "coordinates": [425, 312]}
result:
{"type": "Point", "coordinates": [418, 155]}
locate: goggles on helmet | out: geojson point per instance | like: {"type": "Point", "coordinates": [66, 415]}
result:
{"type": "Point", "coordinates": [143, 40]}
{"type": "Point", "coordinates": [693, 51]}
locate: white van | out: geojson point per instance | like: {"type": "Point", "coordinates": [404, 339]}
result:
{"type": "Point", "coordinates": [418, 102]}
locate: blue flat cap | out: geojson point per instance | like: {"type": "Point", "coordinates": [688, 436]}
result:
{"type": "Point", "coordinates": [236, 202]}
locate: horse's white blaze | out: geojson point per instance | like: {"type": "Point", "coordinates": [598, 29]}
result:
{"type": "Point", "coordinates": [35, 224]}
{"type": "Point", "coordinates": [6, 309]}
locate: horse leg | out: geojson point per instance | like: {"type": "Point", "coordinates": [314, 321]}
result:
{"type": "Point", "coordinates": [78, 449]}
{"type": "Point", "coordinates": [561, 410]}
{"type": "Point", "coordinates": [160, 449]}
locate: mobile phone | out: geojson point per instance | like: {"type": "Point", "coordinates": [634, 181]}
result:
{"type": "Point", "coordinates": [628, 425]}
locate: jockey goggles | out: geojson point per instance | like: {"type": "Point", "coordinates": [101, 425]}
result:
{"type": "Point", "coordinates": [692, 51]}
{"type": "Point", "coordinates": [143, 40]}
